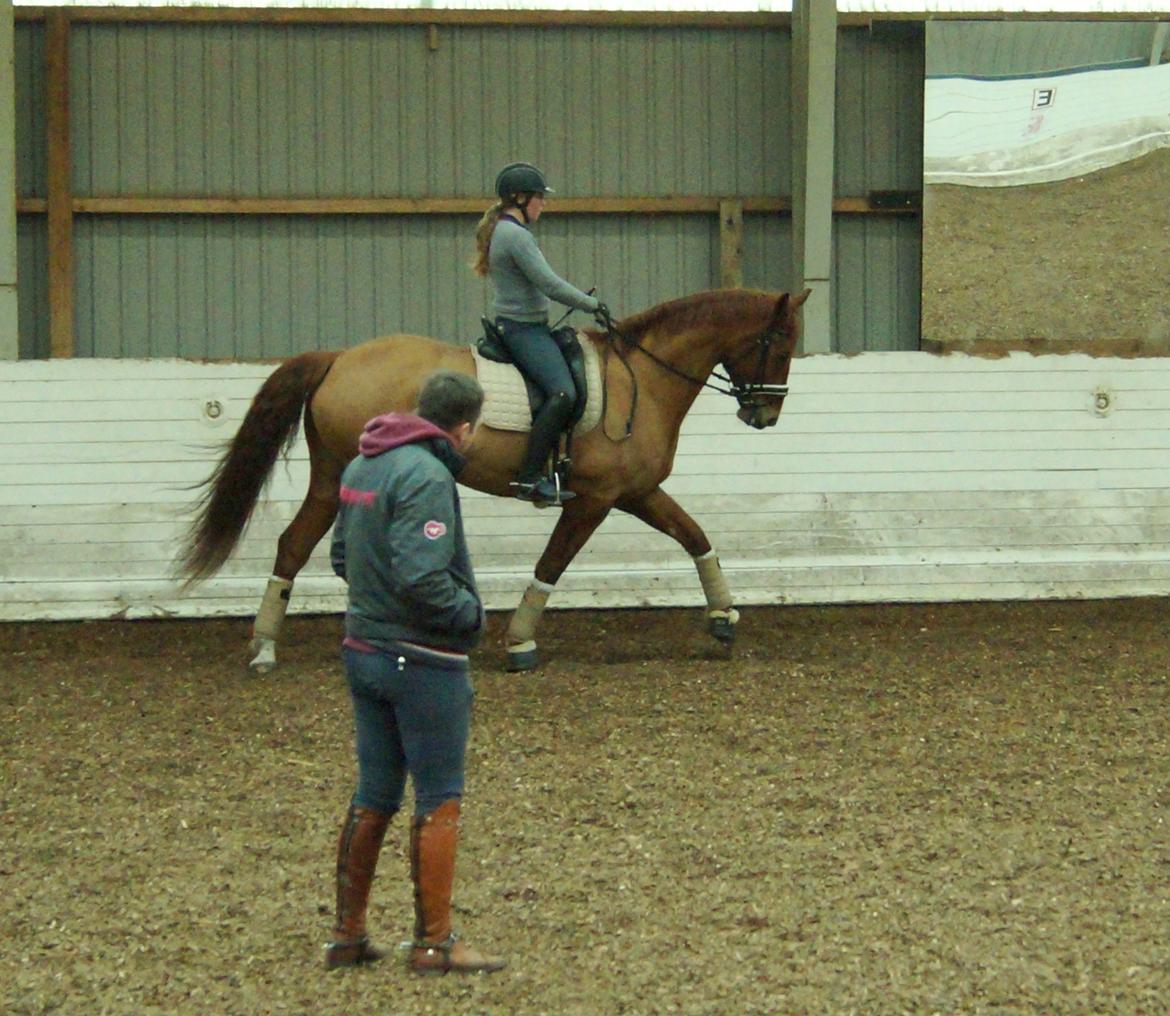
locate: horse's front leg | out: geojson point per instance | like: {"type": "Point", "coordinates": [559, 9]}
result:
{"type": "Point", "coordinates": [579, 518]}
{"type": "Point", "coordinates": [662, 512]}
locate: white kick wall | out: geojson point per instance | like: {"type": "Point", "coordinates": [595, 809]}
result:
{"type": "Point", "coordinates": [891, 476]}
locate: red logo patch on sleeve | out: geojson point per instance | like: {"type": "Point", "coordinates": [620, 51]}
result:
{"type": "Point", "coordinates": [433, 530]}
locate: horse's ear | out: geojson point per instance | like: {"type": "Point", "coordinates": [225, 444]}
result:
{"type": "Point", "coordinates": [799, 301]}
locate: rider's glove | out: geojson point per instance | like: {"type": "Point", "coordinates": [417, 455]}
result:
{"type": "Point", "coordinates": [603, 317]}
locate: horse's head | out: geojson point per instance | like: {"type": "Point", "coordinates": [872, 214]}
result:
{"type": "Point", "coordinates": [758, 367]}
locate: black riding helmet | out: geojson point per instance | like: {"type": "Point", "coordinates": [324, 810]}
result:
{"type": "Point", "coordinates": [521, 178]}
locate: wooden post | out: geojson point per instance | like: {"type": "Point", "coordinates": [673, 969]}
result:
{"type": "Point", "coordinates": [731, 244]}
{"type": "Point", "coordinates": [814, 70]}
{"type": "Point", "coordinates": [59, 200]}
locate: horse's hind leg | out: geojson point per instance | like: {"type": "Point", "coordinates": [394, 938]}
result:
{"type": "Point", "coordinates": [296, 543]}
{"type": "Point", "coordinates": [663, 513]}
{"type": "Point", "coordinates": [579, 518]}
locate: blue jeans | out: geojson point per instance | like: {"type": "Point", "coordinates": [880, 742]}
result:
{"type": "Point", "coordinates": [410, 716]}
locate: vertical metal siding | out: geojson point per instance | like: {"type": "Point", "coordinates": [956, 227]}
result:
{"type": "Point", "coordinates": [29, 59]}
{"type": "Point", "coordinates": [32, 293]}
{"type": "Point", "coordinates": [309, 111]}
{"type": "Point", "coordinates": [270, 286]}
{"type": "Point", "coordinates": [31, 240]}
{"type": "Point", "coordinates": [767, 252]}
{"type": "Point", "coordinates": [367, 111]}
{"type": "Point", "coordinates": [877, 261]}
{"type": "Point", "coordinates": [877, 282]}
{"type": "Point", "coordinates": [986, 49]}
{"type": "Point", "coordinates": [359, 111]}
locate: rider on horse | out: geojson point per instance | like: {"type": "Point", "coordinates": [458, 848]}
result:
{"type": "Point", "coordinates": [524, 283]}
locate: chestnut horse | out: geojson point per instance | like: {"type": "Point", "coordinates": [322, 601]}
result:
{"type": "Point", "coordinates": [655, 364]}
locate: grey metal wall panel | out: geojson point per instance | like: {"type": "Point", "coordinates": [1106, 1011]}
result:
{"type": "Point", "coordinates": [361, 111]}
{"type": "Point", "coordinates": [879, 109]}
{"type": "Point", "coordinates": [32, 297]}
{"type": "Point", "coordinates": [28, 61]}
{"type": "Point", "coordinates": [999, 49]}
{"type": "Point", "coordinates": [877, 261]}
{"type": "Point", "coordinates": [877, 282]}
{"type": "Point", "coordinates": [251, 287]}
{"type": "Point", "coordinates": [767, 252]}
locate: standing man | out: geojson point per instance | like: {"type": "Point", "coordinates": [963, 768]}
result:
{"type": "Point", "coordinates": [414, 612]}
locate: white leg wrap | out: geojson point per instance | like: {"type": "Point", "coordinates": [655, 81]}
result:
{"type": "Point", "coordinates": [270, 616]}
{"type": "Point", "coordinates": [265, 658]}
{"type": "Point", "coordinates": [522, 627]}
{"type": "Point", "coordinates": [715, 586]}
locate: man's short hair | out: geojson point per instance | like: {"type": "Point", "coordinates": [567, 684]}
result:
{"type": "Point", "coordinates": [449, 398]}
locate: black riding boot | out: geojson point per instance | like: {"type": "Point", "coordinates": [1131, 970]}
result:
{"type": "Point", "coordinates": [534, 483]}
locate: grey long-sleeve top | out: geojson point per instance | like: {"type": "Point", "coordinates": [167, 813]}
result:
{"type": "Point", "coordinates": [523, 281]}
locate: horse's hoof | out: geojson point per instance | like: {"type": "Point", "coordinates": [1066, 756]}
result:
{"type": "Point", "coordinates": [721, 624]}
{"type": "Point", "coordinates": [265, 655]}
{"type": "Point", "coordinates": [522, 657]}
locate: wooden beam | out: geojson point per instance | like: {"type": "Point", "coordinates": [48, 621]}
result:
{"type": "Point", "coordinates": [599, 19]}
{"type": "Point", "coordinates": [731, 244]}
{"type": "Point", "coordinates": [395, 206]}
{"type": "Point", "coordinates": [84, 205]}
{"type": "Point", "coordinates": [418, 16]}
{"type": "Point", "coordinates": [59, 200]}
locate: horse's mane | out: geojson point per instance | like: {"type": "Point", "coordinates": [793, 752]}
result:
{"type": "Point", "coordinates": [711, 307]}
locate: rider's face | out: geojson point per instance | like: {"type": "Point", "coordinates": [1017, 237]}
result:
{"type": "Point", "coordinates": [535, 207]}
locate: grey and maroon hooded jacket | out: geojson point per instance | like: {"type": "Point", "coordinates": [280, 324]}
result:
{"type": "Point", "coordinates": [398, 540]}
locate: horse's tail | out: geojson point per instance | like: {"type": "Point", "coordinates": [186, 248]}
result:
{"type": "Point", "coordinates": [234, 486]}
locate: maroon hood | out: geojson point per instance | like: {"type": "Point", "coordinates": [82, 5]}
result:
{"type": "Point", "coordinates": [392, 430]}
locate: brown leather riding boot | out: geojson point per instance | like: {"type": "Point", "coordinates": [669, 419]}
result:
{"type": "Point", "coordinates": [433, 841]}
{"type": "Point", "coordinates": [357, 857]}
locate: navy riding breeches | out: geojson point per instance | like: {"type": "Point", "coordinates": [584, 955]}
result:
{"type": "Point", "coordinates": [537, 355]}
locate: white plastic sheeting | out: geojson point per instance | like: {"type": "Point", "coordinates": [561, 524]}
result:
{"type": "Point", "coordinates": [1044, 128]}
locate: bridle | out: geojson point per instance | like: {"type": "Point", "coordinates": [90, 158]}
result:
{"type": "Point", "coordinates": [749, 395]}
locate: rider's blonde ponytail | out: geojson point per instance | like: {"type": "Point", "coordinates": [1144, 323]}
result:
{"type": "Point", "coordinates": [483, 237]}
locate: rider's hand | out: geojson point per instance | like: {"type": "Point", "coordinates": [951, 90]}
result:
{"type": "Point", "coordinates": [603, 317]}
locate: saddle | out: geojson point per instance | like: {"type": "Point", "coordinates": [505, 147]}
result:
{"type": "Point", "coordinates": [491, 347]}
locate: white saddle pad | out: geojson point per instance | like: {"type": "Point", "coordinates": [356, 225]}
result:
{"type": "Point", "coordinates": [505, 396]}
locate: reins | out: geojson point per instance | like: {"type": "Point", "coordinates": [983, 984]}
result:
{"type": "Point", "coordinates": [744, 394]}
